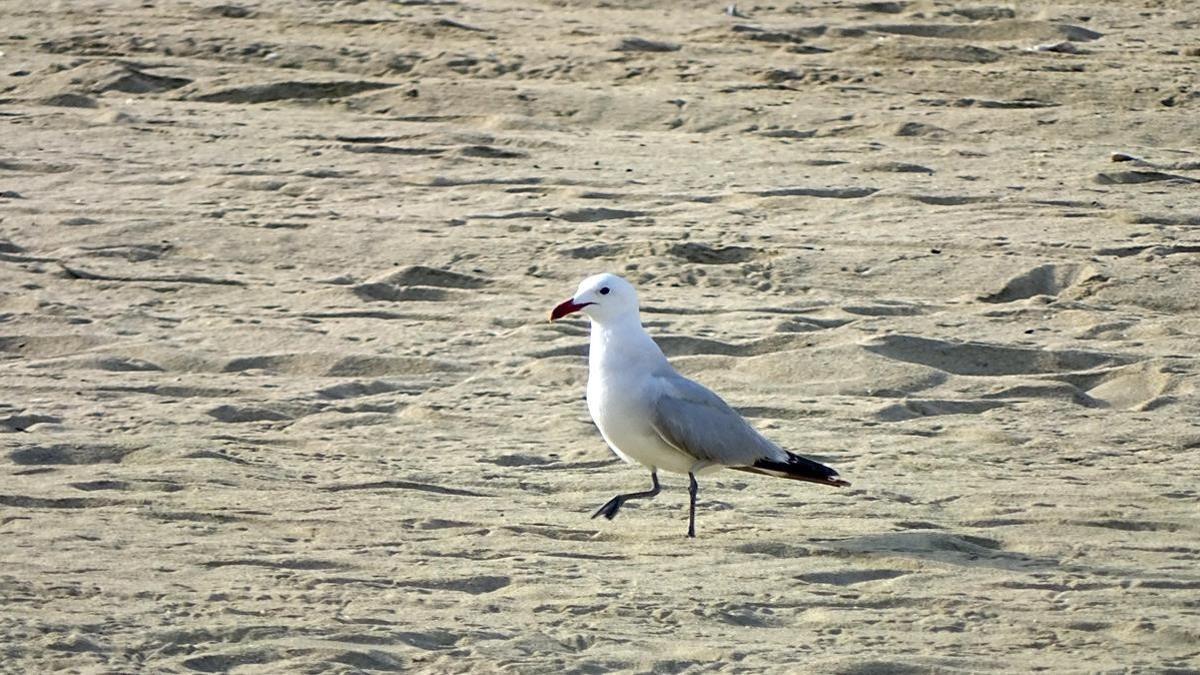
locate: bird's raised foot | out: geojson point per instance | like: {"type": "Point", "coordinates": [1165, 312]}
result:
{"type": "Point", "coordinates": [610, 508]}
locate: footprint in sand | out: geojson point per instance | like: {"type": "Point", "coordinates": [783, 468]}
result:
{"type": "Point", "coordinates": [419, 283]}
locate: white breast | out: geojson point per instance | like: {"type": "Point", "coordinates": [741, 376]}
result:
{"type": "Point", "coordinates": [622, 393]}
{"type": "Point", "coordinates": [621, 401]}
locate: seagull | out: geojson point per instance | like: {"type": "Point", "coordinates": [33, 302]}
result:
{"type": "Point", "coordinates": [651, 415]}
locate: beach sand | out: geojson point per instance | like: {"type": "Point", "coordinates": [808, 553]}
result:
{"type": "Point", "coordinates": [281, 395]}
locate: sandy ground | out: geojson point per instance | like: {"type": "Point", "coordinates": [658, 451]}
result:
{"type": "Point", "coordinates": [282, 396]}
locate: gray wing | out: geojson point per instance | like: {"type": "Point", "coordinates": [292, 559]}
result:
{"type": "Point", "coordinates": [693, 419]}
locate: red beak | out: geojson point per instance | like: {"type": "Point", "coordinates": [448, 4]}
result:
{"type": "Point", "coordinates": [568, 307]}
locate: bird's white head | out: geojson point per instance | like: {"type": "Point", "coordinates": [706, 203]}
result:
{"type": "Point", "coordinates": [602, 297]}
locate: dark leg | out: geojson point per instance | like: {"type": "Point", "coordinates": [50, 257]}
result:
{"type": "Point", "coordinates": [693, 488]}
{"type": "Point", "coordinates": [610, 508]}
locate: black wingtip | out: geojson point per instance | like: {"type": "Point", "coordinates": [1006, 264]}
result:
{"type": "Point", "coordinates": [799, 468]}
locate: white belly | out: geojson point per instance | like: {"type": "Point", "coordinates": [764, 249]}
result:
{"type": "Point", "coordinates": [626, 426]}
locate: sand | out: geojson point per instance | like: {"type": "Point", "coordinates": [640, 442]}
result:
{"type": "Point", "coordinates": [280, 395]}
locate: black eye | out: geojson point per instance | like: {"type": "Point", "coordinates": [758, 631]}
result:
{"type": "Point", "coordinates": [604, 291]}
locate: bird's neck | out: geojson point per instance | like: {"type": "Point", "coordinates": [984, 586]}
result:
{"type": "Point", "coordinates": [623, 343]}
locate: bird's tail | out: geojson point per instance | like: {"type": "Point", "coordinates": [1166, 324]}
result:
{"type": "Point", "coordinates": [796, 467]}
